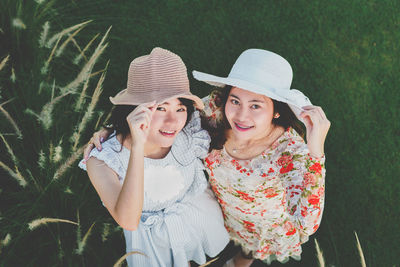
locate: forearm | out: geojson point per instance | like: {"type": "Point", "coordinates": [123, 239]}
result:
{"type": "Point", "coordinates": [128, 207]}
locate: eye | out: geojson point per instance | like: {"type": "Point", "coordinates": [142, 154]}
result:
{"type": "Point", "coordinates": [161, 108]}
{"type": "Point", "coordinates": [182, 110]}
{"type": "Point", "coordinates": [255, 106]}
{"type": "Point", "coordinates": [234, 102]}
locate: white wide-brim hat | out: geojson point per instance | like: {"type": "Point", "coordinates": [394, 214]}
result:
{"type": "Point", "coordinates": [261, 72]}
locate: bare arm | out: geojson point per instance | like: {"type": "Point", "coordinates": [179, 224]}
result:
{"type": "Point", "coordinates": [124, 202]}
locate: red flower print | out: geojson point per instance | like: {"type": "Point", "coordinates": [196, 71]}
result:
{"type": "Point", "coordinates": [289, 227]}
{"type": "Point", "coordinates": [245, 196]}
{"type": "Point", "coordinates": [270, 170]}
{"type": "Point", "coordinates": [249, 226]}
{"type": "Point", "coordinates": [316, 168]}
{"type": "Point", "coordinates": [315, 227]}
{"type": "Point", "coordinates": [264, 249]}
{"type": "Point", "coordinates": [286, 169]}
{"type": "Point", "coordinates": [304, 212]}
{"type": "Point", "coordinates": [313, 199]}
{"type": "Point", "coordinates": [309, 179]}
{"type": "Point", "coordinates": [284, 160]}
{"type": "Point", "coordinates": [270, 192]}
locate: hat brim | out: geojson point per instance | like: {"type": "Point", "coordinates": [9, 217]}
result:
{"type": "Point", "coordinates": [293, 97]}
{"type": "Point", "coordinates": [124, 98]}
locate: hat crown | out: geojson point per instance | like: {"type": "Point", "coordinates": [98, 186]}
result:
{"type": "Point", "coordinates": [264, 68]}
{"type": "Point", "coordinates": [160, 72]}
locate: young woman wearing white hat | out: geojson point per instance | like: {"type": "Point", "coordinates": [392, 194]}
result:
{"type": "Point", "coordinates": [149, 173]}
{"type": "Point", "coordinates": [269, 183]}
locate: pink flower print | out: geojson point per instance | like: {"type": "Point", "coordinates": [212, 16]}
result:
{"type": "Point", "coordinates": [309, 179]}
{"type": "Point", "coordinates": [284, 160]}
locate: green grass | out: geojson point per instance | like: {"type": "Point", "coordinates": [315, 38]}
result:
{"type": "Point", "coordinates": [345, 58]}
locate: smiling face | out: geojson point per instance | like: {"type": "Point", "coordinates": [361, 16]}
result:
{"type": "Point", "coordinates": [249, 114]}
{"type": "Point", "coordinates": [167, 121]}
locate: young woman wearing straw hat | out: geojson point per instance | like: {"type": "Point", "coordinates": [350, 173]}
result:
{"type": "Point", "coordinates": [149, 173]}
{"type": "Point", "coordinates": [268, 181]}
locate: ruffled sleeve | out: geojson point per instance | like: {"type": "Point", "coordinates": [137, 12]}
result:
{"type": "Point", "coordinates": [212, 111]}
{"type": "Point", "coordinates": [304, 178]}
{"type": "Point", "coordinates": [109, 155]}
{"type": "Point", "coordinates": [192, 142]}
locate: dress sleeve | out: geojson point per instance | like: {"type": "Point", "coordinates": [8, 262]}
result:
{"type": "Point", "coordinates": [109, 155]}
{"type": "Point", "coordinates": [212, 112]}
{"type": "Point", "coordinates": [304, 178]}
{"type": "Point", "coordinates": [192, 142]}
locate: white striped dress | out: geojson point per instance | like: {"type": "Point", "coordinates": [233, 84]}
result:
{"type": "Point", "coordinates": [181, 219]}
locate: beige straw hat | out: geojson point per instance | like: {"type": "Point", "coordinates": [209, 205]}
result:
{"type": "Point", "coordinates": [159, 76]}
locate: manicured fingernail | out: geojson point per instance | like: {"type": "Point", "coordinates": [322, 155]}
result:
{"type": "Point", "coordinates": [101, 139]}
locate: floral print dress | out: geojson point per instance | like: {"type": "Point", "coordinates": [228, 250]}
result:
{"type": "Point", "coordinates": [273, 202]}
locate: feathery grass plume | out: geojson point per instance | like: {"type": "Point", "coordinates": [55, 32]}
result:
{"type": "Point", "coordinates": [68, 191]}
{"type": "Point", "coordinates": [39, 2]}
{"type": "Point", "coordinates": [42, 160]}
{"type": "Point", "coordinates": [360, 251]}
{"type": "Point", "coordinates": [45, 116]}
{"type": "Point", "coordinates": [88, 114]}
{"type": "Point", "coordinates": [38, 222]}
{"type": "Point", "coordinates": [209, 262]}
{"type": "Point", "coordinates": [82, 53]}
{"type": "Point", "coordinates": [13, 77]}
{"type": "Point", "coordinates": [320, 256]}
{"type": "Point", "coordinates": [1, 30]}
{"type": "Point", "coordinates": [69, 39]}
{"type": "Point", "coordinates": [10, 119]}
{"type": "Point", "coordinates": [101, 113]}
{"type": "Point", "coordinates": [57, 156]}
{"type": "Point", "coordinates": [106, 232]}
{"type": "Point", "coordinates": [43, 35]}
{"type": "Point", "coordinates": [60, 250]}
{"type": "Point", "coordinates": [75, 156]}
{"type": "Point", "coordinates": [60, 34]}
{"type": "Point", "coordinates": [13, 157]}
{"type": "Point", "coordinates": [4, 62]}
{"type": "Point", "coordinates": [81, 99]}
{"type": "Point", "coordinates": [82, 243]}
{"type": "Point", "coordinates": [5, 241]}
{"type": "Point", "coordinates": [16, 175]}
{"type": "Point", "coordinates": [119, 262]}
{"type": "Point", "coordinates": [45, 67]}
{"type": "Point", "coordinates": [19, 24]}
{"type": "Point", "coordinates": [88, 67]}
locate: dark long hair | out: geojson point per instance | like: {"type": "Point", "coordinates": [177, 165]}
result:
{"type": "Point", "coordinates": [286, 119]}
{"type": "Point", "coordinates": [117, 121]}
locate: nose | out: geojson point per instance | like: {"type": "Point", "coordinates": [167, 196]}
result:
{"type": "Point", "coordinates": [170, 118]}
{"type": "Point", "coordinates": [241, 114]}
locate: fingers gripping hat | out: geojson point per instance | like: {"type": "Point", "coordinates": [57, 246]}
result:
{"type": "Point", "coordinates": [262, 72]}
{"type": "Point", "coordinates": [159, 76]}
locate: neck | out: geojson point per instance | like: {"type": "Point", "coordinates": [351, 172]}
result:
{"type": "Point", "coordinates": [150, 150]}
{"type": "Point", "coordinates": [250, 148]}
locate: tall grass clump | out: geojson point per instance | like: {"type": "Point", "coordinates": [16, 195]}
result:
{"type": "Point", "coordinates": [51, 82]}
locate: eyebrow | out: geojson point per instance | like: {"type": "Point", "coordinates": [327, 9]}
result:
{"type": "Point", "coordinates": [167, 103]}
{"type": "Point", "coordinates": [254, 100]}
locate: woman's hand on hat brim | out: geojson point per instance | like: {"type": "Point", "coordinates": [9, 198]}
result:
{"type": "Point", "coordinates": [139, 122]}
{"type": "Point", "coordinates": [317, 125]}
